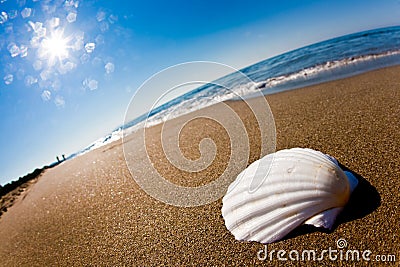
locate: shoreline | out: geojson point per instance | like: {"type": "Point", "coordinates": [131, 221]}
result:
{"type": "Point", "coordinates": [90, 211]}
{"type": "Point", "coordinates": [267, 95]}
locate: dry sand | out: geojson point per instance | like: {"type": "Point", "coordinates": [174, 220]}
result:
{"type": "Point", "coordinates": [89, 211]}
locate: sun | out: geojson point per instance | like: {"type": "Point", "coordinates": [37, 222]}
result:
{"type": "Point", "coordinates": [55, 47]}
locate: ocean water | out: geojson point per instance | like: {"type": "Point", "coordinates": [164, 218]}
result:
{"type": "Point", "coordinates": [328, 60]}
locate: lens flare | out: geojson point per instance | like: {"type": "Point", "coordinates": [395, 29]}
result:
{"type": "Point", "coordinates": [55, 47]}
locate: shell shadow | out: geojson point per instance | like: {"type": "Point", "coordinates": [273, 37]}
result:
{"type": "Point", "coordinates": [364, 200]}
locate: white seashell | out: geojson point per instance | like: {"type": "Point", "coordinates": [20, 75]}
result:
{"type": "Point", "coordinates": [284, 190]}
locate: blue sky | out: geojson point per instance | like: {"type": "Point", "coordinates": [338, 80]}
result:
{"type": "Point", "coordinates": [69, 68]}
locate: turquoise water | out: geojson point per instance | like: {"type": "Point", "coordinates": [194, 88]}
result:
{"type": "Point", "coordinates": [328, 60]}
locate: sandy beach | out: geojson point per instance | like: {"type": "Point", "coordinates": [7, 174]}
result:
{"type": "Point", "coordinates": [90, 211]}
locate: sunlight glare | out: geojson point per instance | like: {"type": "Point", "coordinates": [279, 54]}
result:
{"type": "Point", "coordinates": [55, 47]}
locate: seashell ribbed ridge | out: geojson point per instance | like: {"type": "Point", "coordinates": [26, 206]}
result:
{"type": "Point", "coordinates": [283, 190]}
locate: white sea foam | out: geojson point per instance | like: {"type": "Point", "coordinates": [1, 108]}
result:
{"type": "Point", "coordinates": [242, 91]}
{"type": "Point", "coordinates": [208, 97]}
{"type": "Point", "coordinates": [318, 69]}
{"type": "Point", "coordinates": [108, 139]}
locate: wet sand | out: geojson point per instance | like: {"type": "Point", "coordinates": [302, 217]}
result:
{"type": "Point", "coordinates": [89, 210]}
